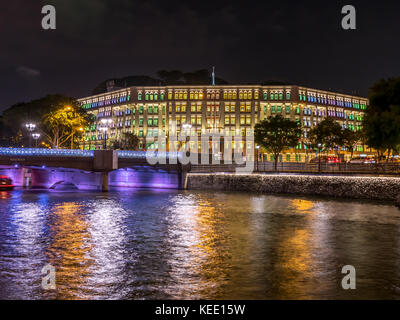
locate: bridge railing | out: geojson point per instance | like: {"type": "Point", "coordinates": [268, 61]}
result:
{"type": "Point", "coordinates": [147, 154]}
{"type": "Point", "coordinates": [85, 153]}
{"type": "Point", "coordinates": [45, 152]}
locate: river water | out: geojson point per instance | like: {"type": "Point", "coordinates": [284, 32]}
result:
{"type": "Point", "coordinates": [159, 244]}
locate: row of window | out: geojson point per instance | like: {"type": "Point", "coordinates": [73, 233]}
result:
{"type": "Point", "coordinates": [276, 96]}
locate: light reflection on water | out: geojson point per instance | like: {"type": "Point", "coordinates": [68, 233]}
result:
{"type": "Point", "coordinates": [154, 244]}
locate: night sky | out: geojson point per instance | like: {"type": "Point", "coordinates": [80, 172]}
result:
{"type": "Point", "coordinates": [248, 41]}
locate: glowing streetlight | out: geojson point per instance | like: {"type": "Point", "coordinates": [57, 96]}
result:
{"type": "Point", "coordinates": [36, 137]}
{"type": "Point", "coordinates": [30, 127]}
{"type": "Point", "coordinates": [106, 123]}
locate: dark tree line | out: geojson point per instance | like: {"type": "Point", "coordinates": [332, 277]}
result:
{"type": "Point", "coordinates": [50, 117]}
{"type": "Point", "coordinates": [164, 78]}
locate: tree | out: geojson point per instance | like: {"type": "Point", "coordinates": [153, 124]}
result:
{"type": "Point", "coordinates": [128, 141]}
{"type": "Point", "coordinates": [14, 118]}
{"type": "Point", "coordinates": [349, 139]}
{"type": "Point", "coordinates": [382, 121]}
{"type": "Point", "coordinates": [277, 133]}
{"type": "Point", "coordinates": [326, 135]}
{"type": "Point", "coordinates": [173, 77]}
{"type": "Point", "coordinates": [63, 123]}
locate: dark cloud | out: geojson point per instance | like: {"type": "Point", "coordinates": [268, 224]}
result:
{"type": "Point", "coordinates": [27, 72]}
{"type": "Point", "coordinates": [248, 41]}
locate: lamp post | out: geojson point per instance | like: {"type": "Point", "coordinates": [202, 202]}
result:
{"type": "Point", "coordinates": [30, 127]}
{"type": "Point", "coordinates": [36, 137]}
{"type": "Point", "coordinates": [319, 157]}
{"type": "Point", "coordinates": [106, 123]}
{"type": "Point", "coordinates": [257, 148]}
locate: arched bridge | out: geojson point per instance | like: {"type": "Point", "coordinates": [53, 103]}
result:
{"type": "Point", "coordinates": [98, 168]}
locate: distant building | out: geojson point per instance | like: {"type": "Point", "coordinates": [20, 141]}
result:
{"type": "Point", "coordinates": [230, 109]}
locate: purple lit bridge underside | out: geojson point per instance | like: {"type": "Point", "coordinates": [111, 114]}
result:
{"type": "Point", "coordinates": [88, 170]}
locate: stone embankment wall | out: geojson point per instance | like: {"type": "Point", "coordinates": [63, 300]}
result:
{"type": "Point", "coordinates": [373, 188]}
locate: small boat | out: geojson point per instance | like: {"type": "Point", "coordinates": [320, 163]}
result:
{"type": "Point", "coordinates": [6, 183]}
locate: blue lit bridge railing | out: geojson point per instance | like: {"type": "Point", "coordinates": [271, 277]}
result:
{"type": "Point", "coordinates": [45, 152]}
{"type": "Point", "coordinates": [85, 153]}
{"type": "Point", "coordinates": [147, 154]}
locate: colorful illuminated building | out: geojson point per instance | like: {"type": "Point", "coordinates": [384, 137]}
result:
{"type": "Point", "coordinates": [229, 109]}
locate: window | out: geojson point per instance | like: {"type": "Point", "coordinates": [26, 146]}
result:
{"type": "Point", "coordinates": [287, 109]}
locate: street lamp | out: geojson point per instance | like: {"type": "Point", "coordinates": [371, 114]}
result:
{"type": "Point", "coordinates": [257, 149]}
{"type": "Point", "coordinates": [36, 137]}
{"type": "Point", "coordinates": [106, 123]}
{"type": "Point", "coordinates": [30, 127]}
{"type": "Point", "coordinates": [319, 157]}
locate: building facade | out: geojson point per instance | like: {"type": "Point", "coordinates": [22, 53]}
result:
{"type": "Point", "coordinates": [229, 109]}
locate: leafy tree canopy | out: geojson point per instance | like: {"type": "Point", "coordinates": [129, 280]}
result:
{"type": "Point", "coordinates": [382, 120]}
{"type": "Point", "coordinates": [39, 112]}
{"type": "Point", "coordinates": [277, 133]}
{"type": "Point", "coordinates": [326, 135]}
{"type": "Point", "coordinates": [128, 141]}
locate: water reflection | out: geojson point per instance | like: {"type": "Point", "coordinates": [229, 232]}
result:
{"type": "Point", "coordinates": [5, 195]}
{"type": "Point", "coordinates": [195, 245]}
{"type": "Point", "coordinates": [69, 248]}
